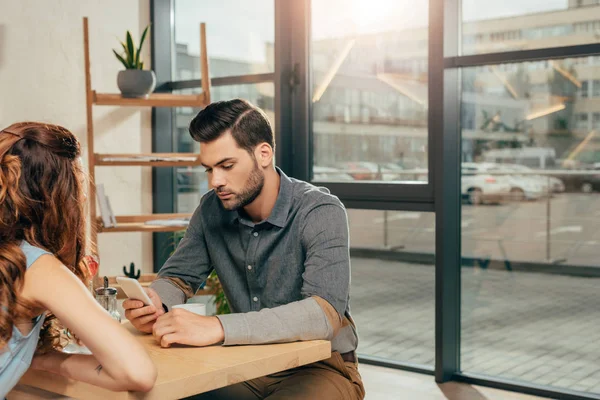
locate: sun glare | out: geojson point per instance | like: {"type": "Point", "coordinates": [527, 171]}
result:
{"type": "Point", "coordinates": [374, 15]}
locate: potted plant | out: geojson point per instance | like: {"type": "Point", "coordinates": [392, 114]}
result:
{"type": "Point", "coordinates": [134, 81]}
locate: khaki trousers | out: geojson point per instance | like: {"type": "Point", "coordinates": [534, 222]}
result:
{"type": "Point", "coordinates": [330, 379]}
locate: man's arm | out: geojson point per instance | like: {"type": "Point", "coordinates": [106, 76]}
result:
{"type": "Point", "coordinates": [326, 284]}
{"type": "Point", "coordinates": [188, 267]}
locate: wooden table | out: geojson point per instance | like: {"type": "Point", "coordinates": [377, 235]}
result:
{"type": "Point", "coordinates": [185, 371]}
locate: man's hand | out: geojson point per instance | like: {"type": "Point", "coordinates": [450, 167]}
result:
{"type": "Point", "coordinates": [143, 317]}
{"type": "Point", "coordinates": [184, 327]}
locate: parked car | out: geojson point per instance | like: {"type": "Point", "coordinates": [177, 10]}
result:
{"type": "Point", "coordinates": [591, 183]}
{"type": "Point", "coordinates": [361, 170]}
{"type": "Point", "coordinates": [478, 187]}
{"type": "Point", "coordinates": [578, 178]}
{"type": "Point", "coordinates": [555, 184]}
{"type": "Point", "coordinates": [387, 171]}
{"type": "Point", "coordinates": [392, 172]}
{"type": "Point", "coordinates": [522, 185]}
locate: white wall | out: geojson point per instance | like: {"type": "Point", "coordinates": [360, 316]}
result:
{"type": "Point", "coordinates": [42, 78]}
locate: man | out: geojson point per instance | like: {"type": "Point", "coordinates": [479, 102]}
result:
{"type": "Point", "coordinates": [280, 249]}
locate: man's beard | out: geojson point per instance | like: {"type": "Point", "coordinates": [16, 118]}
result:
{"type": "Point", "coordinates": [249, 193]}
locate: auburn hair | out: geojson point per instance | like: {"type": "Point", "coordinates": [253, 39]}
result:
{"type": "Point", "coordinates": [41, 202]}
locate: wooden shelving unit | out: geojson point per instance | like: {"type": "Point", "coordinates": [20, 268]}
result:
{"type": "Point", "coordinates": [138, 223]}
{"type": "Point", "coordinates": [159, 160]}
{"type": "Point", "coordinates": [153, 100]}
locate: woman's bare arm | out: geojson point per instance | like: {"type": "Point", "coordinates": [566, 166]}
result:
{"type": "Point", "coordinates": [119, 361]}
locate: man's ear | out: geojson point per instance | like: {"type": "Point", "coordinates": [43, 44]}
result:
{"type": "Point", "coordinates": [264, 154]}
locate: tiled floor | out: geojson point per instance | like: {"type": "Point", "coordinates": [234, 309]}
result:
{"type": "Point", "coordinates": [380, 384]}
{"type": "Point", "coordinates": [537, 328]}
{"type": "Point", "coordinates": [387, 384]}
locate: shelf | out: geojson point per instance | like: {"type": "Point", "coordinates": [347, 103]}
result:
{"type": "Point", "coordinates": [153, 100]}
{"type": "Point", "coordinates": [141, 227]}
{"type": "Point", "coordinates": [145, 160]}
{"type": "Point", "coordinates": [137, 223]}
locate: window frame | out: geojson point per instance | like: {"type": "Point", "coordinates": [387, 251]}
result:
{"type": "Point", "coordinates": [293, 112]}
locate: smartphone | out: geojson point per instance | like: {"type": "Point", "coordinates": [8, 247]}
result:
{"type": "Point", "coordinates": [134, 290]}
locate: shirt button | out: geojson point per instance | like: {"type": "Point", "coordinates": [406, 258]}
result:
{"type": "Point", "coordinates": [255, 299]}
{"type": "Point", "coordinates": [249, 267]}
{"type": "Point", "coordinates": [255, 234]}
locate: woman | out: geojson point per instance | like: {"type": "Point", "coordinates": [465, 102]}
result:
{"type": "Point", "coordinates": [42, 269]}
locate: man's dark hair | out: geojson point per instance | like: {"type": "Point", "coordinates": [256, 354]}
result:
{"type": "Point", "coordinates": [248, 124]}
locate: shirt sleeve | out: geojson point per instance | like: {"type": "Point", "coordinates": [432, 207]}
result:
{"type": "Point", "coordinates": [188, 267]}
{"type": "Point", "coordinates": [299, 320]}
{"type": "Point", "coordinates": [327, 266]}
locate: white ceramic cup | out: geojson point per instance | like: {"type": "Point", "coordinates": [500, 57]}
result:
{"type": "Point", "coordinates": [196, 308]}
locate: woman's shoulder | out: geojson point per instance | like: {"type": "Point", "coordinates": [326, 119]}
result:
{"type": "Point", "coordinates": [32, 253]}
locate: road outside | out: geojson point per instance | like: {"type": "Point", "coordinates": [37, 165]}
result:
{"type": "Point", "coordinates": [514, 231]}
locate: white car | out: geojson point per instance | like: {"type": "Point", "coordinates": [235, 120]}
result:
{"type": "Point", "coordinates": [522, 185]}
{"type": "Point", "coordinates": [556, 185]}
{"type": "Point", "coordinates": [479, 187]}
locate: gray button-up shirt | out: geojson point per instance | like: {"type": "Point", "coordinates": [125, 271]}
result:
{"type": "Point", "coordinates": [301, 250]}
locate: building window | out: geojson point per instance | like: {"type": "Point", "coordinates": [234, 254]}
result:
{"type": "Point", "coordinates": [584, 91]}
{"type": "Point", "coordinates": [596, 121]}
{"type": "Point", "coordinates": [596, 88]}
{"type": "Point", "coordinates": [582, 121]}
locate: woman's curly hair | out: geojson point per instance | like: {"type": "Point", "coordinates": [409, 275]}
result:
{"type": "Point", "coordinates": [41, 202]}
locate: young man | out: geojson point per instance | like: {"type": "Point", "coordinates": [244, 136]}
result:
{"type": "Point", "coordinates": [280, 248]}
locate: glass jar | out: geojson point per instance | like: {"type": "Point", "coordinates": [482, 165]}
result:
{"type": "Point", "coordinates": [107, 297]}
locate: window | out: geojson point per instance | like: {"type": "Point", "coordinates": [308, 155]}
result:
{"type": "Point", "coordinates": [518, 202]}
{"type": "Point", "coordinates": [243, 51]}
{"type": "Point", "coordinates": [582, 121]}
{"type": "Point", "coordinates": [596, 121]}
{"type": "Point", "coordinates": [595, 88]}
{"type": "Point", "coordinates": [399, 288]}
{"type": "Point", "coordinates": [529, 244]}
{"type": "Point", "coordinates": [373, 129]}
{"type": "Point", "coordinates": [584, 91]}
{"type": "Point", "coordinates": [240, 37]}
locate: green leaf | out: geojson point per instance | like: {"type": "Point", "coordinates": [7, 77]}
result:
{"type": "Point", "coordinates": [129, 64]}
{"type": "Point", "coordinates": [141, 65]}
{"type": "Point", "coordinates": [137, 56]}
{"type": "Point", "coordinates": [130, 49]}
{"type": "Point", "coordinates": [121, 59]}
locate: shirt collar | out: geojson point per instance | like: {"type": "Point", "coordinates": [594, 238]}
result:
{"type": "Point", "coordinates": [283, 203]}
{"type": "Point", "coordinates": [280, 211]}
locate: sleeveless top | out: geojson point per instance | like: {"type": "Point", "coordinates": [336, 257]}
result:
{"type": "Point", "coordinates": [16, 356]}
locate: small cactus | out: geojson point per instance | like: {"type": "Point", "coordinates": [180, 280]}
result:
{"type": "Point", "coordinates": [132, 273]}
